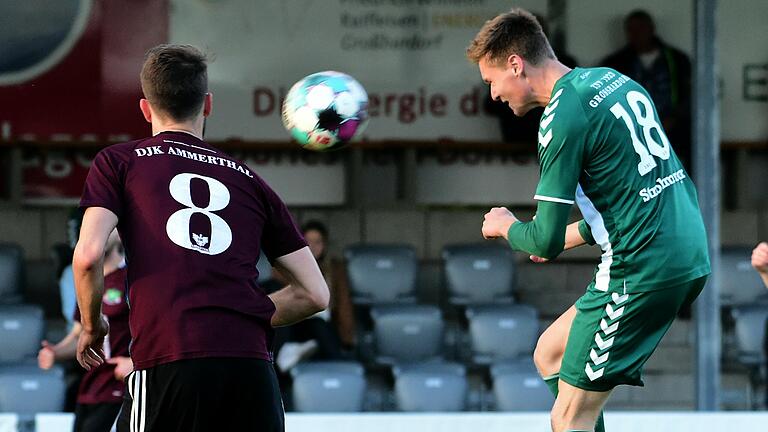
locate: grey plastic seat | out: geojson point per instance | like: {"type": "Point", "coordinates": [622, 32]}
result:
{"type": "Point", "coordinates": [740, 283]}
{"type": "Point", "coordinates": [750, 322]}
{"type": "Point", "coordinates": [380, 274]}
{"type": "Point", "coordinates": [11, 273]}
{"type": "Point", "coordinates": [328, 387]}
{"type": "Point", "coordinates": [431, 387]}
{"type": "Point", "coordinates": [28, 391]}
{"type": "Point", "coordinates": [407, 333]}
{"type": "Point", "coordinates": [21, 330]}
{"type": "Point", "coordinates": [517, 386]}
{"type": "Point", "coordinates": [499, 333]}
{"type": "Point", "coordinates": [750, 327]}
{"type": "Point", "coordinates": [479, 274]}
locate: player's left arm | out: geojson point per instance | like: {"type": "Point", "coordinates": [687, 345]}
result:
{"type": "Point", "coordinates": [88, 269]}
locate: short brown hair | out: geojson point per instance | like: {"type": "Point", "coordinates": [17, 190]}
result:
{"type": "Point", "coordinates": [174, 78]}
{"type": "Point", "coordinates": [514, 32]}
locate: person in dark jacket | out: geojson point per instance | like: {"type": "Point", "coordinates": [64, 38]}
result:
{"type": "Point", "coordinates": [664, 71]}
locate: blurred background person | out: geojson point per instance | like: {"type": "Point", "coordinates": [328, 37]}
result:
{"type": "Point", "coordinates": [100, 393]}
{"type": "Point", "coordinates": [329, 333]}
{"type": "Point", "coordinates": [664, 71]}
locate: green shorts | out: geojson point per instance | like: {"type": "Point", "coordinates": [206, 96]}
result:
{"type": "Point", "coordinates": [613, 335]}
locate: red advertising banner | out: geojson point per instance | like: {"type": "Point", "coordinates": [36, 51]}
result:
{"type": "Point", "coordinates": [55, 177]}
{"type": "Point", "coordinates": [71, 73]}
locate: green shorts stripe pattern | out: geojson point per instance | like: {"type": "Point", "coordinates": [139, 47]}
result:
{"type": "Point", "coordinates": [614, 334]}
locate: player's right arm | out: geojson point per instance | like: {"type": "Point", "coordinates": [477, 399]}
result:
{"type": "Point", "coordinates": [307, 292]}
{"type": "Point", "coordinates": [64, 350]}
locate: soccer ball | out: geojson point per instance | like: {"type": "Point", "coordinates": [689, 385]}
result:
{"type": "Point", "coordinates": [325, 110]}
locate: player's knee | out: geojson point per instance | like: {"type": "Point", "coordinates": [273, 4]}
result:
{"type": "Point", "coordinates": [547, 355]}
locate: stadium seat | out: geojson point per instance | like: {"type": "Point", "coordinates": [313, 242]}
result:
{"type": "Point", "coordinates": [11, 273]}
{"type": "Point", "coordinates": [29, 390]}
{"type": "Point", "coordinates": [517, 386]}
{"type": "Point", "coordinates": [408, 333]}
{"type": "Point", "coordinates": [750, 328]}
{"type": "Point", "coordinates": [328, 387]}
{"type": "Point", "coordinates": [499, 333]}
{"type": "Point", "coordinates": [479, 274]}
{"type": "Point", "coordinates": [380, 274]}
{"type": "Point", "coordinates": [740, 283]}
{"type": "Point", "coordinates": [431, 387]}
{"type": "Point", "coordinates": [21, 330]}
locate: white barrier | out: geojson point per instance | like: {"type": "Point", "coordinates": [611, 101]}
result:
{"type": "Point", "coordinates": [474, 422]}
{"type": "Point", "coordinates": [9, 422]}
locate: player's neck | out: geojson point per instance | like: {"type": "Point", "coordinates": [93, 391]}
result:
{"type": "Point", "coordinates": [194, 127]}
{"type": "Point", "coordinates": [546, 78]}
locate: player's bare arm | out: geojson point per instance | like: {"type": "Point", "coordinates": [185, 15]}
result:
{"type": "Point", "coordinates": [307, 292]}
{"type": "Point", "coordinates": [760, 261]}
{"type": "Point", "coordinates": [64, 350]}
{"type": "Point", "coordinates": [87, 266]}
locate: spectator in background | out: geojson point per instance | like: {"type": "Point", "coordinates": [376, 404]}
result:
{"type": "Point", "coordinates": [100, 393]}
{"type": "Point", "coordinates": [760, 261]}
{"type": "Point", "coordinates": [665, 72]}
{"type": "Point", "coordinates": [525, 128]}
{"type": "Point", "coordinates": [322, 336]}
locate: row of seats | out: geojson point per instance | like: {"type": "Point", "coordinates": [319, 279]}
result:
{"type": "Point", "coordinates": [474, 274]}
{"type": "Point", "coordinates": [326, 387]}
{"type": "Point", "coordinates": [414, 333]}
{"type": "Point", "coordinates": [426, 387]}
{"type": "Point", "coordinates": [402, 333]}
{"type": "Point", "coordinates": [387, 274]}
{"type": "Point", "coordinates": [485, 273]}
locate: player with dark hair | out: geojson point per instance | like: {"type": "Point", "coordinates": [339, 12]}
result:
{"type": "Point", "coordinates": [193, 221]}
{"type": "Point", "coordinates": [602, 147]}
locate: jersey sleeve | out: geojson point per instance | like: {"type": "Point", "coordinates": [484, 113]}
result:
{"type": "Point", "coordinates": [281, 236]}
{"type": "Point", "coordinates": [104, 184]}
{"type": "Point", "coordinates": [562, 145]}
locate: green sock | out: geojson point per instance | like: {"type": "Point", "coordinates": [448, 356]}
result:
{"type": "Point", "coordinates": [552, 381]}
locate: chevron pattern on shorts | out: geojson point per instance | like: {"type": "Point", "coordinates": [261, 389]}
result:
{"type": "Point", "coordinates": [604, 337]}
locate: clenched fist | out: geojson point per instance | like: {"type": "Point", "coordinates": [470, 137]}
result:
{"type": "Point", "coordinates": [497, 222]}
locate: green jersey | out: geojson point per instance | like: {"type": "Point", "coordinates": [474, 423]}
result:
{"type": "Point", "coordinates": [601, 145]}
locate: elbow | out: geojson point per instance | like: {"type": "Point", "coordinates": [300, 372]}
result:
{"type": "Point", "coordinates": [320, 298]}
{"type": "Point", "coordinates": [550, 249]}
{"type": "Point", "coordinates": [86, 259]}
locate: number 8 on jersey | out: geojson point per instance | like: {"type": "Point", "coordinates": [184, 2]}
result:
{"type": "Point", "coordinates": [179, 225]}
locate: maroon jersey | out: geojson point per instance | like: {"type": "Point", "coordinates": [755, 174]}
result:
{"type": "Point", "coordinates": [99, 384]}
{"type": "Point", "coordinates": [193, 221]}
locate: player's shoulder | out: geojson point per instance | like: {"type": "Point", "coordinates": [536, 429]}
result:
{"type": "Point", "coordinates": [123, 150]}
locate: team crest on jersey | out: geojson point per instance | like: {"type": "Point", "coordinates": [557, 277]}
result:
{"type": "Point", "coordinates": [201, 241]}
{"type": "Point", "coordinates": [112, 297]}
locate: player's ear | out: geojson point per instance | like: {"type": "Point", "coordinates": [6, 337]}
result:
{"type": "Point", "coordinates": [207, 104]}
{"type": "Point", "coordinates": [145, 109]}
{"type": "Point", "coordinates": [515, 63]}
